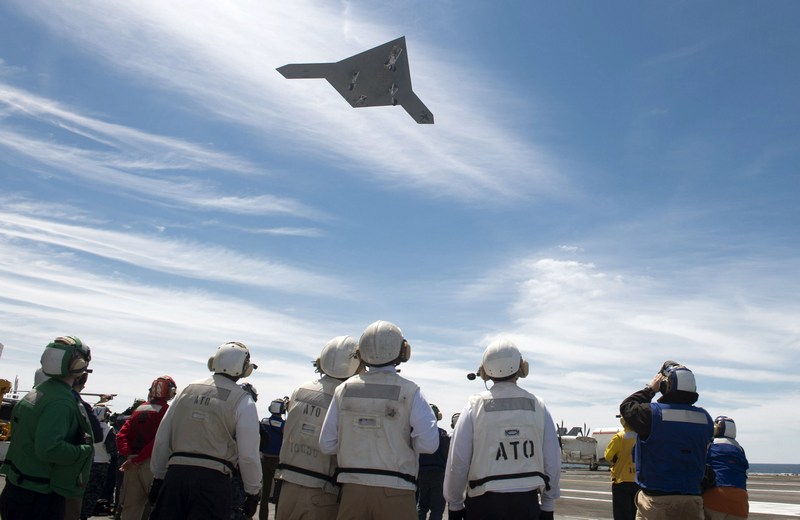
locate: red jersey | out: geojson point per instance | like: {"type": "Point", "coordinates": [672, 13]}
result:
{"type": "Point", "coordinates": [137, 435]}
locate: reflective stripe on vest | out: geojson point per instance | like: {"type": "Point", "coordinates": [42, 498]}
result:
{"type": "Point", "coordinates": [372, 391]}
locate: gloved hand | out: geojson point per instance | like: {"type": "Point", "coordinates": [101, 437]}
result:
{"type": "Point", "coordinates": [546, 515]}
{"type": "Point", "coordinates": [461, 514]}
{"type": "Point", "coordinates": [155, 489]}
{"type": "Point", "coordinates": [251, 504]}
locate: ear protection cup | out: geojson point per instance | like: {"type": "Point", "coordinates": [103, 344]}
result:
{"type": "Point", "coordinates": [482, 373]}
{"type": "Point", "coordinates": [405, 351]}
{"type": "Point", "coordinates": [438, 416]}
{"type": "Point", "coordinates": [77, 362]}
{"type": "Point", "coordinates": [524, 368]}
{"type": "Point", "coordinates": [666, 367]}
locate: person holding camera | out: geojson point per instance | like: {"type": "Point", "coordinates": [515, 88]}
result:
{"type": "Point", "coordinates": [670, 451]}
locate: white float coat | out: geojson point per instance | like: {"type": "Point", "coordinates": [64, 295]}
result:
{"type": "Point", "coordinates": [460, 458]}
{"type": "Point", "coordinates": [424, 437]}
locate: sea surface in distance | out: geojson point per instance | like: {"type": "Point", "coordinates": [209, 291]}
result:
{"type": "Point", "coordinates": [775, 469]}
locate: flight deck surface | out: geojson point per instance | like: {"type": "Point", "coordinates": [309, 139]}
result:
{"type": "Point", "coordinates": [586, 495]}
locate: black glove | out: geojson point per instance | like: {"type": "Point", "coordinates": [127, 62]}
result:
{"type": "Point", "coordinates": [251, 504]}
{"type": "Point", "coordinates": [461, 514]}
{"type": "Point", "coordinates": [155, 489]}
{"type": "Point", "coordinates": [546, 515]}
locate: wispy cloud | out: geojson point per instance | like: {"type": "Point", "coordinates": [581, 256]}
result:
{"type": "Point", "coordinates": [171, 152]}
{"type": "Point", "coordinates": [132, 162]}
{"type": "Point", "coordinates": [290, 231]}
{"type": "Point", "coordinates": [171, 256]}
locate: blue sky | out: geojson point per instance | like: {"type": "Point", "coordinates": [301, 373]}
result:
{"type": "Point", "coordinates": [610, 185]}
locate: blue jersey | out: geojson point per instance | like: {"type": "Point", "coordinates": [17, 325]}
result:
{"type": "Point", "coordinates": [729, 463]}
{"type": "Point", "coordinates": [672, 459]}
{"type": "Point", "coordinates": [271, 429]}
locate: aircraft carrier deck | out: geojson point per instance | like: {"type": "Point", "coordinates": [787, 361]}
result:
{"type": "Point", "coordinates": [586, 495]}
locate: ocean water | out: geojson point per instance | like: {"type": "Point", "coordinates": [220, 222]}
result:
{"type": "Point", "coordinates": [790, 469]}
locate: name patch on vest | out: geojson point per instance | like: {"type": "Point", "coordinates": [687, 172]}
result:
{"type": "Point", "coordinates": [199, 416]}
{"type": "Point", "coordinates": [311, 410]}
{"type": "Point", "coordinates": [372, 391]}
{"type": "Point", "coordinates": [367, 422]}
{"type": "Point", "coordinates": [686, 416]}
{"type": "Point", "coordinates": [514, 449]}
{"type": "Point", "coordinates": [296, 447]}
{"type": "Point", "coordinates": [504, 404]}
{"type": "Point", "coordinates": [308, 429]}
{"type": "Point", "coordinates": [313, 397]}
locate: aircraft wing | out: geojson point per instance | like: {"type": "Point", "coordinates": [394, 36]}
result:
{"type": "Point", "coordinates": [306, 70]}
{"type": "Point", "coordinates": [376, 77]}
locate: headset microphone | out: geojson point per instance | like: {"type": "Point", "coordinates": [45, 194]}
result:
{"type": "Point", "coordinates": [471, 376]}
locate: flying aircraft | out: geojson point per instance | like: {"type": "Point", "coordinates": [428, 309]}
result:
{"type": "Point", "coordinates": [377, 77]}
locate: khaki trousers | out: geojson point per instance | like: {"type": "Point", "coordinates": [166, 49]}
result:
{"type": "Point", "coordinates": [305, 503]}
{"type": "Point", "coordinates": [668, 507]}
{"type": "Point", "coordinates": [133, 500]}
{"type": "Point", "coordinates": [376, 503]}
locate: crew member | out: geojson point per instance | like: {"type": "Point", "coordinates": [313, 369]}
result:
{"type": "Point", "coordinates": [305, 475]}
{"type": "Point", "coordinates": [50, 455]}
{"type": "Point", "coordinates": [271, 429]}
{"type": "Point", "coordinates": [377, 425]}
{"type": "Point", "coordinates": [210, 429]}
{"type": "Point", "coordinates": [430, 493]}
{"type": "Point", "coordinates": [504, 453]}
{"type": "Point", "coordinates": [135, 443]}
{"type": "Point", "coordinates": [619, 453]}
{"type": "Point", "coordinates": [105, 448]}
{"type": "Point", "coordinates": [671, 447]}
{"type": "Point", "coordinates": [727, 499]}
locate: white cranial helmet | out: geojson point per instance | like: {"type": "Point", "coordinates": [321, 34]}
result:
{"type": "Point", "coordinates": [278, 406]}
{"type": "Point", "coordinates": [724, 427]}
{"type": "Point", "coordinates": [339, 358]}
{"type": "Point", "coordinates": [233, 359]}
{"type": "Point", "coordinates": [678, 378]}
{"type": "Point", "coordinates": [502, 360]}
{"type": "Point", "coordinates": [382, 344]}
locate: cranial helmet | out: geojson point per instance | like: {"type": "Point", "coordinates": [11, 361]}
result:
{"type": "Point", "coordinates": [163, 387]}
{"type": "Point", "coordinates": [724, 427]}
{"type": "Point", "coordinates": [678, 378]}
{"type": "Point", "coordinates": [339, 358]}
{"type": "Point", "coordinates": [66, 356]}
{"type": "Point", "coordinates": [278, 406]}
{"type": "Point", "coordinates": [232, 359]}
{"type": "Point", "coordinates": [383, 344]}
{"type": "Point", "coordinates": [502, 360]}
